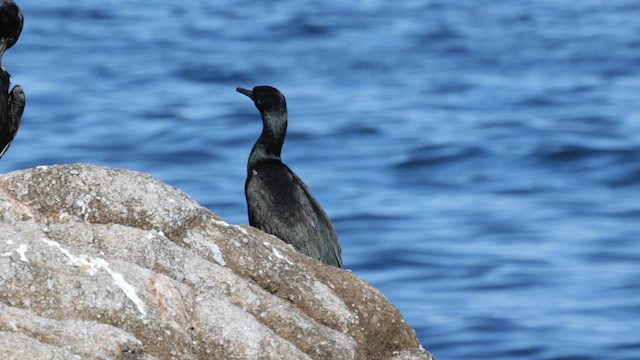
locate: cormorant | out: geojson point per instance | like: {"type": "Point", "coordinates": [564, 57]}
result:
{"type": "Point", "coordinates": [11, 103]}
{"type": "Point", "coordinates": [278, 201]}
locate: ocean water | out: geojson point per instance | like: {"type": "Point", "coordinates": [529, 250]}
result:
{"type": "Point", "coordinates": [480, 160]}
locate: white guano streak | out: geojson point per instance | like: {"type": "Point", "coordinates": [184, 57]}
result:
{"type": "Point", "coordinates": [92, 266]}
{"type": "Point", "coordinates": [22, 250]}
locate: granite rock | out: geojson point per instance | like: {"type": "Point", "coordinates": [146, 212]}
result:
{"type": "Point", "coordinates": [101, 263]}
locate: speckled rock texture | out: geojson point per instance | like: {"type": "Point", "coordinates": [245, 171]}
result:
{"type": "Point", "coordinates": [100, 263]}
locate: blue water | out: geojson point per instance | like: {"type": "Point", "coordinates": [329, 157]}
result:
{"type": "Point", "coordinates": [479, 159]}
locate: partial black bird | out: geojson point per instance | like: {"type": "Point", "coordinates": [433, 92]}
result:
{"type": "Point", "coordinates": [11, 103]}
{"type": "Point", "coordinates": [11, 21]}
{"type": "Point", "coordinates": [278, 201]}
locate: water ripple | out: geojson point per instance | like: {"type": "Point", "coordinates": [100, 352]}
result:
{"type": "Point", "coordinates": [479, 159]}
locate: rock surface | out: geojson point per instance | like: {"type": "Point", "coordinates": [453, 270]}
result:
{"type": "Point", "coordinates": [114, 264]}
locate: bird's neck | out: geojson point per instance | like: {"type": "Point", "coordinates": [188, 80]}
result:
{"type": "Point", "coordinates": [3, 47]}
{"type": "Point", "coordinates": [269, 144]}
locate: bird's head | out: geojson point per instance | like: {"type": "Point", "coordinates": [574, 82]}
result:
{"type": "Point", "coordinates": [267, 99]}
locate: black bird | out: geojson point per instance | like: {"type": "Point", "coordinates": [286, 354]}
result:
{"type": "Point", "coordinates": [278, 201]}
{"type": "Point", "coordinates": [11, 103]}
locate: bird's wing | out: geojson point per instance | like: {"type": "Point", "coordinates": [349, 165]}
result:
{"type": "Point", "coordinates": [313, 210]}
{"type": "Point", "coordinates": [13, 116]}
{"type": "Point", "coordinates": [4, 107]}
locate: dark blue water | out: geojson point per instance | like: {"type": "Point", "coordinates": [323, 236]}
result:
{"type": "Point", "coordinates": [480, 159]}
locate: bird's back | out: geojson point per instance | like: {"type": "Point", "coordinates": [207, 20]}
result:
{"type": "Point", "coordinates": [280, 204]}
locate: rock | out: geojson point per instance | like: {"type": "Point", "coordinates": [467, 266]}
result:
{"type": "Point", "coordinates": [107, 263]}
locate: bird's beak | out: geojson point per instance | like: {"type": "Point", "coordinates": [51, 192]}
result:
{"type": "Point", "coordinates": [244, 91]}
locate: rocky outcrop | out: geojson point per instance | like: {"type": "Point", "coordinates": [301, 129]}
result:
{"type": "Point", "coordinates": [107, 263]}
